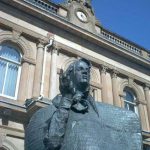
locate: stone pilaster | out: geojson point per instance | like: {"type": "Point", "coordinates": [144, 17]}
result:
{"type": "Point", "coordinates": [93, 92]}
{"type": "Point", "coordinates": [103, 70]}
{"type": "Point", "coordinates": [147, 97]}
{"type": "Point", "coordinates": [23, 81]}
{"type": "Point", "coordinates": [115, 88]}
{"type": "Point", "coordinates": [38, 69]}
{"type": "Point", "coordinates": [2, 137]}
{"type": "Point", "coordinates": [142, 117]}
{"type": "Point", "coordinates": [53, 74]}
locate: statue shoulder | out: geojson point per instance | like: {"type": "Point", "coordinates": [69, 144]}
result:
{"type": "Point", "coordinates": [38, 124]}
{"type": "Point", "coordinates": [46, 112]}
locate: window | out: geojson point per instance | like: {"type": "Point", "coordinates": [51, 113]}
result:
{"type": "Point", "coordinates": [146, 147]}
{"type": "Point", "coordinates": [10, 61]}
{"type": "Point", "coordinates": [130, 100]}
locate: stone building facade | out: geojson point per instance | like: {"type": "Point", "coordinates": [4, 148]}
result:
{"type": "Point", "coordinates": [39, 39]}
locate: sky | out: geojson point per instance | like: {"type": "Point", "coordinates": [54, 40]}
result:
{"type": "Point", "coordinates": [128, 18]}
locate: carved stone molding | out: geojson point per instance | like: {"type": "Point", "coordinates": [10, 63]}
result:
{"type": "Point", "coordinates": [114, 73]}
{"type": "Point", "coordinates": [146, 87]}
{"type": "Point", "coordinates": [2, 137]}
{"type": "Point", "coordinates": [9, 145]}
{"type": "Point", "coordinates": [55, 48]}
{"type": "Point", "coordinates": [103, 69]}
{"type": "Point", "coordinates": [40, 45]}
{"type": "Point", "coordinates": [131, 84]}
{"type": "Point", "coordinates": [140, 101]}
{"type": "Point", "coordinates": [79, 57]}
{"type": "Point", "coordinates": [50, 35]}
{"type": "Point", "coordinates": [66, 63]}
{"type": "Point", "coordinates": [30, 61]}
{"type": "Point", "coordinates": [55, 51]}
{"type": "Point", "coordinates": [20, 41]}
{"type": "Point", "coordinates": [43, 41]}
{"type": "Point", "coordinates": [16, 34]}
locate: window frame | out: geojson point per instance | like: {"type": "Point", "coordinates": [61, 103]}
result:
{"type": "Point", "coordinates": [16, 48]}
{"type": "Point", "coordinates": [128, 89]}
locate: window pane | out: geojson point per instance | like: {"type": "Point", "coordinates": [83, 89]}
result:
{"type": "Point", "coordinates": [146, 147]}
{"type": "Point", "coordinates": [129, 96]}
{"type": "Point", "coordinates": [129, 106]}
{"type": "Point", "coordinates": [132, 107]}
{"type": "Point", "coordinates": [10, 53]}
{"type": "Point", "coordinates": [126, 105]}
{"type": "Point", "coordinates": [11, 79]}
{"type": "Point", "coordinates": [2, 74]}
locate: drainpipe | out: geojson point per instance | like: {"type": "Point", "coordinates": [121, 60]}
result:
{"type": "Point", "coordinates": [44, 65]}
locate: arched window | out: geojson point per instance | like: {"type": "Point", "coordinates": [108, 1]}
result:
{"type": "Point", "coordinates": [10, 61]}
{"type": "Point", "coordinates": [130, 100]}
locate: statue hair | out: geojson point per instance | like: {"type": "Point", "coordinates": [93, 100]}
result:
{"type": "Point", "coordinates": [66, 78]}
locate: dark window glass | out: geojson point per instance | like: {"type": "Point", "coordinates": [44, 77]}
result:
{"type": "Point", "coordinates": [129, 99]}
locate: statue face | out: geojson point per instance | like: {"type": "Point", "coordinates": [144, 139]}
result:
{"type": "Point", "coordinates": [76, 77]}
{"type": "Point", "coordinates": [82, 73]}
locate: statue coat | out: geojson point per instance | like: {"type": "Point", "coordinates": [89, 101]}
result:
{"type": "Point", "coordinates": [113, 128]}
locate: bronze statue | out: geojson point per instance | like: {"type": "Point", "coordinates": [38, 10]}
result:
{"type": "Point", "coordinates": [74, 121]}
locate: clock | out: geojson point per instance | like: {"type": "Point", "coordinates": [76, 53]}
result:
{"type": "Point", "coordinates": [82, 16]}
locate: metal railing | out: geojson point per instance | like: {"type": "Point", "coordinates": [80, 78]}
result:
{"type": "Point", "coordinates": [117, 41]}
{"type": "Point", "coordinates": [50, 7]}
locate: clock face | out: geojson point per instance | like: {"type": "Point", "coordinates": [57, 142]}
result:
{"type": "Point", "coordinates": [82, 16]}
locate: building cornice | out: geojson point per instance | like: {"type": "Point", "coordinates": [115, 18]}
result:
{"type": "Point", "coordinates": [110, 67]}
{"type": "Point", "coordinates": [142, 57]}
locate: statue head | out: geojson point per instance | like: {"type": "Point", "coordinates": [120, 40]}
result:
{"type": "Point", "coordinates": [76, 77]}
